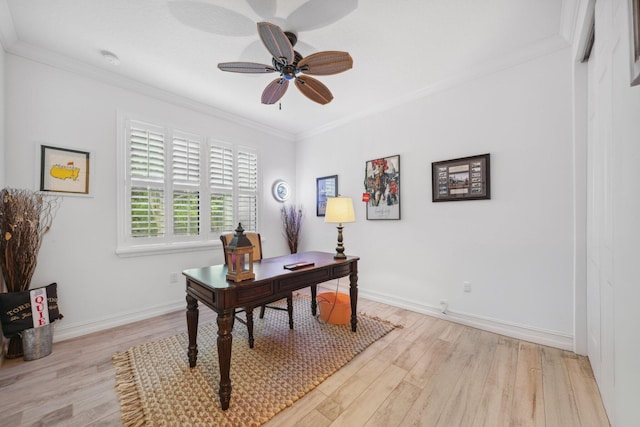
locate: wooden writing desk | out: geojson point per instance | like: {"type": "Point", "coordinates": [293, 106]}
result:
{"type": "Point", "coordinates": [210, 286]}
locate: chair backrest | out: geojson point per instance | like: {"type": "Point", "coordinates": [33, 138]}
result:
{"type": "Point", "coordinates": [254, 238]}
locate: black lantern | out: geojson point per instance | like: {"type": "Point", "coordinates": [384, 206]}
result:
{"type": "Point", "coordinates": [239, 257]}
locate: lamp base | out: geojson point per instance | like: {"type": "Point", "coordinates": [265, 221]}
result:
{"type": "Point", "coordinates": [340, 248]}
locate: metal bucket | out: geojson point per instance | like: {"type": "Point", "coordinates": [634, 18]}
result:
{"type": "Point", "coordinates": [37, 342]}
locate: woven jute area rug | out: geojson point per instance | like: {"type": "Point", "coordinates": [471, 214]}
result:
{"type": "Point", "coordinates": [157, 388]}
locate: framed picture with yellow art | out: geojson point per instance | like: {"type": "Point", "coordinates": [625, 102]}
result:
{"type": "Point", "coordinates": [65, 171]}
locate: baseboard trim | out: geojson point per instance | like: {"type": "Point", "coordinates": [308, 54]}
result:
{"type": "Point", "coordinates": [513, 330]}
{"type": "Point", "coordinates": [64, 331]}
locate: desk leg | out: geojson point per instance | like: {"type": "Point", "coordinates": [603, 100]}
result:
{"type": "Point", "coordinates": [225, 322]}
{"type": "Point", "coordinates": [314, 303]}
{"type": "Point", "coordinates": [290, 310]}
{"type": "Point", "coordinates": [353, 294]}
{"type": "Point", "coordinates": [192, 329]}
{"type": "Point", "coordinates": [249, 312]}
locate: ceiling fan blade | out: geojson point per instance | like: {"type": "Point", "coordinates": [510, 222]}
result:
{"type": "Point", "coordinates": [314, 90]}
{"type": "Point", "coordinates": [246, 67]}
{"type": "Point", "coordinates": [274, 91]}
{"type": "Point", "coordinates": [325, 63]}
{"type": "Point", "coordinates": [276, 42]}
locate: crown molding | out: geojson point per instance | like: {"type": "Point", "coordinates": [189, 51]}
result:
{"type": "Point", "coordinates": [53, 59]}
{"type": "Point", "coordinates": [533, 51]}
{"type": "Point", "coordinates": [569, 18]}
{"type": "Point", "coordinates": [8, 34]}
{"type": "Point", "coordinates": [14, 46]}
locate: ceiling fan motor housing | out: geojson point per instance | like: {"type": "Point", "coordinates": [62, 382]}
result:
{"type": "Point", "coordinates": [288, 71]}
{"type": "Point", "coordinates": [293, 39]}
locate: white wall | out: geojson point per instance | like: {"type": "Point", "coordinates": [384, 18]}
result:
{"type": "Point", "coordinates": [515, 249]}
{"type": "Point", "coordinates": [98, 289]}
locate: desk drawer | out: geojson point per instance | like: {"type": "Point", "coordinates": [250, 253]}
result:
{"type": "Point", "coordinates": [304, 280]}
{"type": "Point", "coordinates": [254, 293]}
{"type": "Point", "coordinates": [341, 270]}
{"type": "Point", "coordinates": [201, 292]}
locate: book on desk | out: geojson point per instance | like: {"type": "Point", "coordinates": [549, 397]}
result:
{"type": "Point", "coordinates": [299, 265]}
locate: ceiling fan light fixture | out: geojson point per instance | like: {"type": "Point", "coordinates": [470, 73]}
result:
{"type": "Point", "coordinates": [110, 57]}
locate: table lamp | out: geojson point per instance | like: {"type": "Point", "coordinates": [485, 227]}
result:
{"type": "Point", "coordinates": [339, 210]}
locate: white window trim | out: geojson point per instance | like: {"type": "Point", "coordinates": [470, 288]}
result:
{"type": "Point", "coordinates": [127, 246]}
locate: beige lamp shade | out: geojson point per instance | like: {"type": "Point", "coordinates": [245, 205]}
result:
{"type": "Point", "coordinates": [339, 209]}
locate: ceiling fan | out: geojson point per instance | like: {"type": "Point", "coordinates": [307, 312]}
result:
{"type": "Point", "coordinates": [292, 66]}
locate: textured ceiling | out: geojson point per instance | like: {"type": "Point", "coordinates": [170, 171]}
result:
{"type": "Point", "coordinates": [401, 49]}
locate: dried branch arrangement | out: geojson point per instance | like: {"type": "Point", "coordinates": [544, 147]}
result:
{"type": "Point", "coordinates": [292, 223]}
{"type": "Point", "coordinates": [25, 217]}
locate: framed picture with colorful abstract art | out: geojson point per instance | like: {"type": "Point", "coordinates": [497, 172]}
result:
{"type": "Point", "coordinates": [382, 188]}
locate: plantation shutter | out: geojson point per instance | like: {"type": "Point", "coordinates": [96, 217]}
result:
{"type": "Point", "coordinates": [221, 188]}
{"type": "Point", "coordinates": [185, 168]}
{"type": "Point", "coordinates": [181, 190]}
{"type": "Point", "coordinates": [248, 189]}
{"type": "Point", "coordinates": [146, 172]}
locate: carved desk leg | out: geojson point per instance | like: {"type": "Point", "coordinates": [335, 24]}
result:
{"type": "Point", "coordinates": [249, 313]}
{"type": "Point", "coordinates": [225, 323]}
{"type": "Point", "coordinates": [353, 294]}
{"type": "Point", "coordinates": [192, 329]}
{"type": "Point", "coordinates": [290, 310]}
{"type": "Point", "coordinates": [314, 303]}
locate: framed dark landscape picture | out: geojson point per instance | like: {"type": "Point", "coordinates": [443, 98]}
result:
{"type": "Point", "coordinates": [327, 186]}
{"type": "Point", "coordinates": [466, 178]}
{"type": "Point", "coordinates": [382, 188]}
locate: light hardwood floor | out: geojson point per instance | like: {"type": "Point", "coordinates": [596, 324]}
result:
{"type": "Point", "coordinates": [428, 373]}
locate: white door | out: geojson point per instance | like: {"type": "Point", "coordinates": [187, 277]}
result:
{"type": "Point", "coordinates": [600, 173]}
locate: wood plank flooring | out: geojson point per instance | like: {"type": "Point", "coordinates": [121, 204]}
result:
{"type": "Point", "coordinates": [430, 372]}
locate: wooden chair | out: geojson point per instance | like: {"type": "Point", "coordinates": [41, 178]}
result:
{"type": "Point", "coordinates": [257, 255]}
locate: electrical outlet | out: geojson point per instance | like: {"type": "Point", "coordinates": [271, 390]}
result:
{"type": "Point", "coordinates": [443, 305]}
{"type": "Point", "coordinates": [467, 286]}
{"type": "Point", "coordinates": [173, 278]}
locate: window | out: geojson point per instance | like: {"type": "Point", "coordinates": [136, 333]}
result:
{"type": "Point", "coordinates": [227, 181]}
{"type": "Point", "coordinates": [181, 190]}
